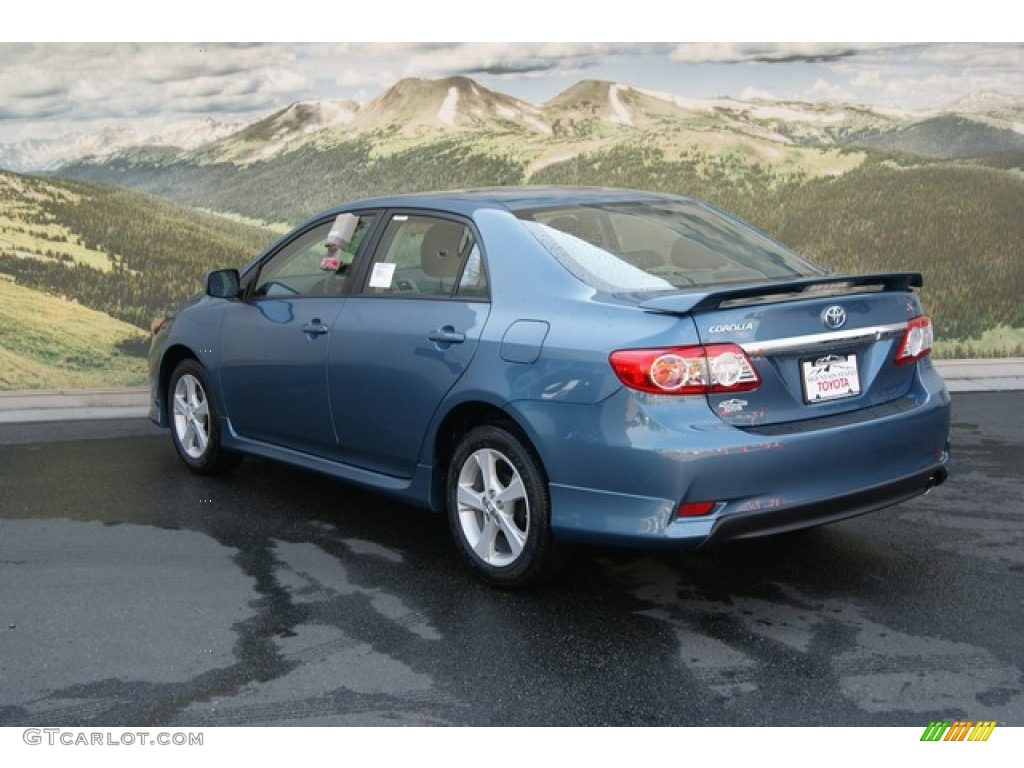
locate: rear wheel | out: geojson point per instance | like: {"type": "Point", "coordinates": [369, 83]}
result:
{"type": "Point", "coordinates": [195, 424]}
{"type": "Point", "coordinates": [499, 509]}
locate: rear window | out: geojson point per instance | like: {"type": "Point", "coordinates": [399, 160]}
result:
{"type": "Point", "coordinates": [661, 245]}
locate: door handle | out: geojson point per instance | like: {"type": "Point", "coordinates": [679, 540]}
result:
{"type": "Point", "coordinates": [447, 335]}
{"type": "Point", "coordinates": [315, 328]}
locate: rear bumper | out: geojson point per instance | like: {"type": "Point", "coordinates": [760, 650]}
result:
{"type": "Point", "coordinates": [623, 485]}
{"type": "Point", "coordinates": [746, 525]}
{"type": "Point", "coordinates": [650, 523]}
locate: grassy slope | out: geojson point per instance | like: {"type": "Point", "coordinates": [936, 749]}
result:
{"type": "Point", "coordinates": [65, 310]}
{"type": "Point", "coordinates": [26, 229]}
{"type": "Point", "coordinates": [51, 343]}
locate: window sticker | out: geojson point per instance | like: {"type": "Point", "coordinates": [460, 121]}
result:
{"type": "Point", "coordinates": [382, 275]}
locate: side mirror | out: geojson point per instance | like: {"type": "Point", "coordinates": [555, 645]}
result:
{"type": "Point", "coordinates": [223, 284]}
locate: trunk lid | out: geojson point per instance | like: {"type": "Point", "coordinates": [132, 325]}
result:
{"type": "Point", "coordinates": [821, 347]}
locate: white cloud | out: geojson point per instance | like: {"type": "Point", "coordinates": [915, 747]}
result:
{"type": "Point", "coordinates": [823, 90]}
{"type": "Point", "coordinates": [869, 78]}
{"type": "Point", "coordinates": [510, 58]}
{"type": "Point", "coordinates": [361, 79]}
{"type": "Point", "coordinates": [92, 81]}
{"type": "Point", "coordinates": [999, 56]}
{"type": "Point", "coordinates": [727, 53]}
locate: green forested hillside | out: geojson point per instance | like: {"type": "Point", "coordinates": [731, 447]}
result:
{"type": "Point", "coordinates": [958, 223]}
{"type": "Point", "coordinates": [123, 253]}
{"type": "Point", "coordinates": [293, 187]}
{"type": "Point", "coordinates": [724, 180]}
{"type": "Point", "coordinates": [944, 136]}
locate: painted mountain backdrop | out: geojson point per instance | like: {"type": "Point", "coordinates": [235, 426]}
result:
{"type": "Point", "coordinates": [855, 188]}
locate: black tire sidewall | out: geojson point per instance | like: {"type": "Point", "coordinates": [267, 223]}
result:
{"type": "Point", "coordinates": [537, 561]}
{"type": "Point", "coordinates": [214, 459]}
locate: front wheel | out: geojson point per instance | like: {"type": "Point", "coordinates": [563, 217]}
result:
{"type": "Point", "coordinates": [195, 425]}
{"type": "Point", "coordinates": [499, 510]}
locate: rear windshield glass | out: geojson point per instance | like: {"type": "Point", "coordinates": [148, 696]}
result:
{"type": "Point", "coordinates": [661, 245]}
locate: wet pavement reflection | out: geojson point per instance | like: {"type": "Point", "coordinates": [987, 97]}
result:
{"type": "Point", "coordinates": [135, 593]}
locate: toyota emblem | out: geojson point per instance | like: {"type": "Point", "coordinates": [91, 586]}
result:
{"type": "Point", "coordinates": [834, 317]}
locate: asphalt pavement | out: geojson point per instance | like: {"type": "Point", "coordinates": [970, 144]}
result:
{"type": "Point", "coordinates": [136, 593]}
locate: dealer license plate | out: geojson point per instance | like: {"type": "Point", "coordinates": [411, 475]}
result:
{"type": "Point", "coordinates": [830, 377]}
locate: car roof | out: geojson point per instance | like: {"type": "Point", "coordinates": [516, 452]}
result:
{"type": "Point", "coordinates": [467, 201]}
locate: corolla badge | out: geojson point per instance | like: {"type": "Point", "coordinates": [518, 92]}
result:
{"type": "Point", "coordinates": [834, 317]}
{"type": "Point", "coordinates": [732, 327]}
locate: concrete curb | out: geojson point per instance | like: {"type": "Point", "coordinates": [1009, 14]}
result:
{"type": "Point", "coordinates": [73, 404]}
{"type": "Point", "coordinates": [983, 375]}
{"type": "Point", "coordinates": [20, 406]}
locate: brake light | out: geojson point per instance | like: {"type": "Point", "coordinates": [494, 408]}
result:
{"type": "Point", "coordinates": [917, 340]}
{"type": "Point", "coordinates": [694, 508]}
{"type": "Point", "coordinates": [692, 370]}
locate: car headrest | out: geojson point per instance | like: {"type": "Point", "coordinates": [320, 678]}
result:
{"type": "Point", "coordinates": [439, 252]}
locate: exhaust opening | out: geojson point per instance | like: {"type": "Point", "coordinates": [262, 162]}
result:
{"type": "Point", "coordinates": [936, 480]}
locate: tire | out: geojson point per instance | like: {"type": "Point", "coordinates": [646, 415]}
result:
{"type": "Point", "coordinates": [195, 421]}
{"type": "Point", "coordinates": [499, 510]}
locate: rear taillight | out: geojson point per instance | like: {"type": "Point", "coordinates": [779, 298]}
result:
{"type": "Point", "coordinates": [917, 340]}
{"type": "Point", "coordinates": [693, 370]}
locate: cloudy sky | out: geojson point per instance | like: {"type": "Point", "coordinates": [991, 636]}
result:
{"type": "Point", "coordinates": [47, 89]}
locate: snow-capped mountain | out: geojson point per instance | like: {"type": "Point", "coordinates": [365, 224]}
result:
{"type": "Point", "coordinates": [984, 101]}
{"type": "Point", "coordinates": [451, 103]}
{"type": "Point", "coordinates": [619, 104]}
{"type": "Point", "coordinates": [49, 154]}
{"type": "Point", "coordinates": [419, 110]}
{"type": "Point", "coordinates": [188, 134]}
{"type": "Point", "coordinates": [411, 107]}
{"type": "Point", "coordinates": [277, 133]}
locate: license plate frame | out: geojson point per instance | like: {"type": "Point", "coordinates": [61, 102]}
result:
{"type": "Point", "coordinates": [829, 377]}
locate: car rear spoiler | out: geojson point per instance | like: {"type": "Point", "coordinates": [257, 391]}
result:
{"type": "Point", "coordinates": [698, 301]}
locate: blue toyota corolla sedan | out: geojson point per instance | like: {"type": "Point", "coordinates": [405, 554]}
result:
{"type": "Point", "coordinates": [548, 365]}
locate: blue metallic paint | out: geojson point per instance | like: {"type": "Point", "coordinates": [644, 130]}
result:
{"type": "Point", "coordinates": [365, 402]}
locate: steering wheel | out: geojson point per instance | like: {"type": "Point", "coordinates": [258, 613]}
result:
{"type": "Point", "coordinates": [405, 285]}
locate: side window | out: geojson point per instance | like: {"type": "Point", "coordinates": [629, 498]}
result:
{"type": "Point", "coordinates": [474, 280]}
{"type": "Point", "coordinates": [426, 256]}
{"type": "Point", "coordinates": [316, 263]}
